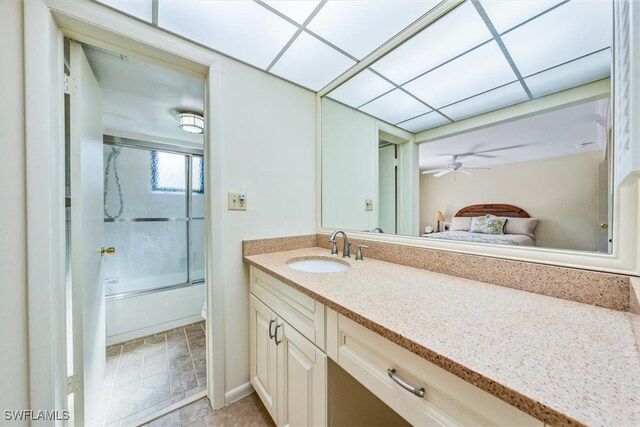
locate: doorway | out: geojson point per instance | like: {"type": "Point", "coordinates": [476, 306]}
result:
{"type": "Point", "coordinates": [134, 186]}
{"type": "Point", "coordinates": [388, 186]}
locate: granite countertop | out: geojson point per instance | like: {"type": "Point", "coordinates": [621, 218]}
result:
{"type": "Point", "coordinates": [563, 362]}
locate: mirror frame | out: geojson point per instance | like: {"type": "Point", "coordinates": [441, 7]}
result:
{"type": "Point", "coordinates": [625, 255]}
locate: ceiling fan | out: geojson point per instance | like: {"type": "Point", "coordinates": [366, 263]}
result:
{"type": "Point", "coordinates": [456, 166]}
{"type": "Point", "coordinates": [453, 166]}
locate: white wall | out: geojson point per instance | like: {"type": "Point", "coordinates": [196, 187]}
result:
{"type": "Point", "coordinates": [350, 145]}
{"type": "Point", "coordinates": [14, 374]}
{"type": "Point", "coordinates": [268, 138]}
{"type": "Point", "coordinates": [349, 167]}
{"type": "Point", "coordinates": [561, 191]}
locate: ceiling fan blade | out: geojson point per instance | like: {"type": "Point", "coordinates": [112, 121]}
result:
{"type": "Point", "coordinates": [511, 147]}
{"type": "Point", "coordinates": [442, 172]}
{"type": "Point", "coordinates": [478, 168]}
{"type": "Point", "coordinates": [482, 153]}
{"type": "Point", "coordinates": [433, 171]}
{"type": "Point", "coordinates": [464, 171]}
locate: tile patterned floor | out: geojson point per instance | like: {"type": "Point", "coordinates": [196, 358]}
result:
{"type": "Point", "coordinates": [249, 412]}
{"type": "Point", "coordinates": [150, 373]}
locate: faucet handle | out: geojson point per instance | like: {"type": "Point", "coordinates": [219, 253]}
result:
{"type": "Point", "coordinates": [334, 247]}
{"type": "Point", "coordinates": [359, 252]}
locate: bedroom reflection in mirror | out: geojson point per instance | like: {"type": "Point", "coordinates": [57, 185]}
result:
{"type": "Point", "coordinates": [548, 176]}
{"type": "Point", "coordinates": [494, 114]}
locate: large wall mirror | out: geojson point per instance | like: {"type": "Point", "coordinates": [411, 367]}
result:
{"type": "Point", "coordinates": [492, 125]}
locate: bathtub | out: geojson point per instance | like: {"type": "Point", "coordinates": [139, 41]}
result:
{"type": "Point", "coordinates": [136, 316]}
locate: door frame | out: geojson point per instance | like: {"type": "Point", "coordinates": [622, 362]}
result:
{"type": "Point", "coordinates": [46, 23]}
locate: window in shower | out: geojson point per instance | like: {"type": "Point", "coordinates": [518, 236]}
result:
{"type": "Point", "coordinates": [155, 225]}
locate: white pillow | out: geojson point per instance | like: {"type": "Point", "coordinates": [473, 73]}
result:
{"type": "Point", "coordinates": [526, 226]}
{"type": "Point", "coordinates": [460, 223]}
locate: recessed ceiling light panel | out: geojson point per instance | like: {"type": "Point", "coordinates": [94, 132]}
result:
{"type": "Point", "coordinates": [394, 107]}
{"type": "Point", "coordinates": [501, 97]}
{"type": "Point", "coordinates": [311, 63]}
{"type": "Point", "coordinates": [359, 27]}
{"type": "Point", "coordinates": [458, 31]}
{"type": "Point", "coordinates": [298, 10]}
{"type": "Point", "coordinates": [481, 69]}
{"type": "Point", "coordinates": [361, 88]}
{"type": "Point", "coordinates": [575, 73]}
{"type": "Point", "coordinates": [241, 29]}
{"type": "Point", "coordinates": [567, 32]}
{"type": "Point", "coordinates": [139, 8]}
{"type": "Point", "coordinates": [506, 14]}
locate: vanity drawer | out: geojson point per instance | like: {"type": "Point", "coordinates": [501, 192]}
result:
{"type": "Point", "coordinates": [448, 400]}
{"type": "Point", "coordinates": [302, 312]}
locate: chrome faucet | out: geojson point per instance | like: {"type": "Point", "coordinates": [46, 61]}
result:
{"type": "Point", "coordinates": [376, 230]}
{"type": "Point", "coordinates": [346, 248]}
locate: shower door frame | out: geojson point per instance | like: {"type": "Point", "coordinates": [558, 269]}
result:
{"type": "Point", "coordinates": [46, 23]}
{"type": "Point", "coordinates": [189, 153]}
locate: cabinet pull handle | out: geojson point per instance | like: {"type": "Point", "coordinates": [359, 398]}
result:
{"type": "Point", "coordinates": [275, 335]}
{"type": "Point", "coordinates": [271, 335]}
{"type": "Point", "coordinates": [417, 391]}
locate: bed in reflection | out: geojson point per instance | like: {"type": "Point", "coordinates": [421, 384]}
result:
{"type": "Point", "coordinates": [499, 224]}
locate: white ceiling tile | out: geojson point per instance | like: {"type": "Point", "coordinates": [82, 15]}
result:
{"type": "Point", "coordinates": [241, 29]}
{"type": "Point", "coordinates": [575, 73]}
{"type": "Point", "coordinates": [360, 26]}
{"type": "Point", "coordinates": [311, 63]}
{"type": "Point", "coordinates": [139, 8]}
{"type": "Point", "coordinates": [565, 33]}
{"type": "Point", "coordinates": [361, 88]}
{"type": "Point", "coordinates": [477, 71]}
{"type": "Point", "coordinates": [394, 107]}
{"type": "Point", "coordinates": [506, 14]}
{"type": "Point", "coordinates": [498, 98]}
{"type": "Point", "coordinates": [451, 35]}
{"type": "Point", "coordinates": [298, 10]}
{"type": "Point", "coordinates": [424, 122]}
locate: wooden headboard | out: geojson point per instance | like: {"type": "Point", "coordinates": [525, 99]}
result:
{"type": "Point", "coordinates": [493, 209]}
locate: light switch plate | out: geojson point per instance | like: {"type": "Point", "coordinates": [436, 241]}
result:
{"type": "Point", "coordinates": [368, 205]}
{"type": "Point", "coordinates": [237, 202]}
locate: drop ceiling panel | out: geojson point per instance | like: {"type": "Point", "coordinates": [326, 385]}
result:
{"type": "Point", "coordinates": [575, 73]}
{"type": "Point", "coordinates": [360, 26]}
{"type": "Point", "coordinates": [394, 107]}
{"type": "Point", "coordinates": [311, 63]}
{"type": "Point", "coordinates": [241, 29]}
{"type": "Point", "coordinates": [569, 31]}
{"type": "Point", "coordinates": [424, 122]}
{"type": "Point", "coordinates": [361, 88]}
{"type": "Point", "coordinates": [501, 97]}
{"type": "Point", "coordinates": [482, 69]}
{"type": "Point", "coordinates": [299, 11]}
{"type": "Point", "coordinates": [506, 14]}
{"type": "Point", "coordinates": [139, 8]}
{"type": "Point", "coordinates": [452, 35]}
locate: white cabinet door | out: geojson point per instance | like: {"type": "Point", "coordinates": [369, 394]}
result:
{"type": "Point", "coordinates": [302, 379]}
{"type": "Point", "coordinates": [263, 354]}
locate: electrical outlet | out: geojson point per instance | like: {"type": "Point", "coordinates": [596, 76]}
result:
{"type": "Point", "coordinates": [237, 202]}
{"type": "Point", "coordinates": [368, 205]}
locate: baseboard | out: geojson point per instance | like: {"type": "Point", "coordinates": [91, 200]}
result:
{"type": "Point", "coordinates": [238, 393]}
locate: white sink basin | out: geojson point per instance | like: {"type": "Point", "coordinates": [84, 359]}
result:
{"type": "Point", "coordinates": [318, 265]}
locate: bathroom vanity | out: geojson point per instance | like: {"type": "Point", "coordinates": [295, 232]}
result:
{"type": "Point", "coordinates": [437, 349]}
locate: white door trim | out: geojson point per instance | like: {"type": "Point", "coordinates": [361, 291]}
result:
{"type": "Point", "coordinates": [44, 123]}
